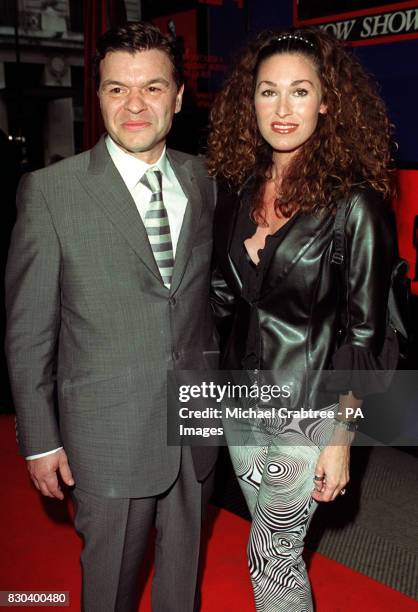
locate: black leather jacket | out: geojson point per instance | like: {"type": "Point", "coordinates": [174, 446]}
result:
{"type": "Point", "coordinates": [308, 314]}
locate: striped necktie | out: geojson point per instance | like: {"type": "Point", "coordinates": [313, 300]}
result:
{"type": "Point", "coordinates": [157, 226]}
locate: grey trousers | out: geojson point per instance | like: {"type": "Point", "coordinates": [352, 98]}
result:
{"type": "Point", "coordinates": [115, 533]}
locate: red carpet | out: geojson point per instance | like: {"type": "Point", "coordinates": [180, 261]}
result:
{"type": "Point", "coordinates": [40, 549]}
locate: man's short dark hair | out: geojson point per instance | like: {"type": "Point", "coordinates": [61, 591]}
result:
{"type": "Point", "coordinates": [137, 36]}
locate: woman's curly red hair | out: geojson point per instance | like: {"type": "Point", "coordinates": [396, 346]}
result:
{"type": "Point", "coordinates": [352, 142]}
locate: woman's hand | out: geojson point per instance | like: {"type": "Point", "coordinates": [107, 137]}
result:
{"type": "Point", "coordinates": [334, 469]}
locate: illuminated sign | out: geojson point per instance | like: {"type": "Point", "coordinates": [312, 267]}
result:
{"type": "Point", "coordinates": [383, 23]}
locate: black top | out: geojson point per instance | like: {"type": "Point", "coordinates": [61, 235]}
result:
{"type": "Point", "coordinates": [348, 361]}
{"type": "Point", "coordinates": [252, 274]}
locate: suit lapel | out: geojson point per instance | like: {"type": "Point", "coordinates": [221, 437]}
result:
{"type": "Point", "coordinates": [106, 187]}
{"type": "Point", "coordinates": [187, 179]}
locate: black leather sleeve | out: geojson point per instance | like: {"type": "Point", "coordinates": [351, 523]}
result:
{"type": "Point", "coordinates": [370, 255]}
{"type": "Point", "coordinates": [221, 297]}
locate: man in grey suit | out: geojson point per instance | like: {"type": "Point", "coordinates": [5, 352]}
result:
{"type": "Point", "coordinates": [107, 289]}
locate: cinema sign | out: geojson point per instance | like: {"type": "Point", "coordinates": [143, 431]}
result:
{"type": "Point", "coordinates": [385, 23]}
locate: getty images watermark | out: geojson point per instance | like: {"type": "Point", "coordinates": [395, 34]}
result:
{"type": "Point", "coordinates": [222, 394]}
{"type": "Point", "coordinates": [250, 407]}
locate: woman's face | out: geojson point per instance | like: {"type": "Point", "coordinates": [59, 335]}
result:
{"type": "Point", "coordinates": [288, 100]}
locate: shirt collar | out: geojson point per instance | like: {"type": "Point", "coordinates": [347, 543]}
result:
{"type": "Point", "coordinates": [131, 168]}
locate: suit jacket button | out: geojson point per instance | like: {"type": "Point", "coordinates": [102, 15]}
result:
{"type": "Point", "coordinates": [172, 301]}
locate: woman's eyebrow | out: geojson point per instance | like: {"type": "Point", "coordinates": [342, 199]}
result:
{"type": "Point", "coordinates": [293, 83]}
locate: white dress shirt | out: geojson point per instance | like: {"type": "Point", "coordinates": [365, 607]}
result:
{"type": "Point", "coordinates": [132, 170]}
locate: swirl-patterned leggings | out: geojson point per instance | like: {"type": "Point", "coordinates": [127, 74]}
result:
{"type": "Point", "coordinates": [277, 480]}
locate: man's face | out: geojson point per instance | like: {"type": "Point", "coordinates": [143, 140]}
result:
{"type": "Point", "coordinates": [138, 98]}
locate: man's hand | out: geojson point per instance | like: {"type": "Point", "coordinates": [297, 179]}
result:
{"type": "Point", "coordinates": [43, 472]}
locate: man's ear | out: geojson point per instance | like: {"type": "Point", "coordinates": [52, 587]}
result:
{"type": "Point", "coordinates": [179, 99]}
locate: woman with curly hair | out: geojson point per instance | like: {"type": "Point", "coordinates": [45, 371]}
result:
{"type": "Point", "coordinates": [297, 132]}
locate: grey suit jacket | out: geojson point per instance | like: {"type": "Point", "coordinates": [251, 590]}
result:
{"type": "Point", "coordinates": [92, 330]}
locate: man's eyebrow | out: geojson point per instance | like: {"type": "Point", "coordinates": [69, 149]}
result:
{"type": "Point", "coordinates": [157, 80]}
{"type": "Point", "coordinates": [160, 80]}
{"type": "Point", "coordinates": [112, 82]}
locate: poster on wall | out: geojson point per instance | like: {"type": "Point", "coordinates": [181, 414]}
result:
{"type": "Point", "coordinates": [204, 37]}
{"type": "Point", "coordinates": [189, 28]}
{"type": "Point", "coordinates": [199, 65]}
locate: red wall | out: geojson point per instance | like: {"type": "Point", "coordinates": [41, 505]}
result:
{"type": "Point", "coordinates": [406, 208]}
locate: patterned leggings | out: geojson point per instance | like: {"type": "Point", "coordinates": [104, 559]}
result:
{"type": "Point", "coordinates": [276, 477]}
